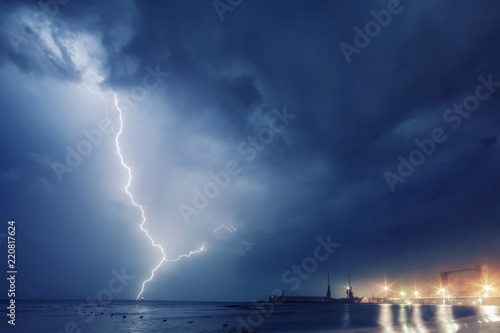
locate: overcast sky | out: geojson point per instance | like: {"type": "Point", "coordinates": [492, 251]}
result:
{"type": "Point", "coordinates": [371, 125]}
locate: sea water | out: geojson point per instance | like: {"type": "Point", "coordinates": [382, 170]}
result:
{"type": "Point", "coordinates": [71, 316]}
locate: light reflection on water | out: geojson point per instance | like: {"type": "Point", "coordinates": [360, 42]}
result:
{"type": "Point", "coordinates": [489, 313]}
{"type": "Point", "coordinates": [445, 319]}
{"type": "Point", "coordinates": [346, 319]}
{"type": "Point", "coordinates": [195, 317]}
{"type": "Point", "coordinates": [418, 318]}
{"type": "Point", "coordinates": [385, 319]}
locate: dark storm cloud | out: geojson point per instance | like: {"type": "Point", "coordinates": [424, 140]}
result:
{"type": "Point", "coordinates": [325, 173]}
{"type": "Point", "coordinates": [489, 141]}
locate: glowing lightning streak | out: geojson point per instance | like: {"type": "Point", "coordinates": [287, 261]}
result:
{"type": "Point", "coordinates": [230, 228]}
{"type": "Point", "coordinates": [105, 104]}
{"type": "Point", "coordinates": [222, 226]}
{"type": "Point", "coordinates": [171, 260]}
{"type": "Point", "coordinates": [129, 171]}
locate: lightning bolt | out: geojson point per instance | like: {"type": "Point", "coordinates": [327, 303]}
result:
{"type": "Point", "coordinates": [222, 226]}
{"type": "Point", "coordinates": [201, 249]}
{"type": "Point", "coordinates": [129, 171]}
{"type": "Point", "coordinates": [105, 104]}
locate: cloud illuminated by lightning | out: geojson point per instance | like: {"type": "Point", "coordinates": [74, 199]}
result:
{"type": "Point", "coordinates": [143, 221]}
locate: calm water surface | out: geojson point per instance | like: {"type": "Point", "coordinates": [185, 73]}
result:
{"type": "Point", "coordinates": [163, 316]}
